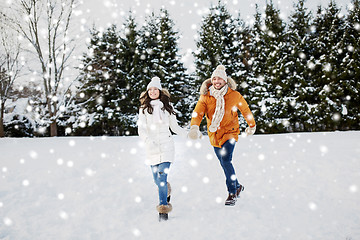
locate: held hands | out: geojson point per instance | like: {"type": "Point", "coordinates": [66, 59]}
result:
{"type": "Point", "coordinates": [194, 132]}
{"type": "Point", "coordinates": [250, 130]}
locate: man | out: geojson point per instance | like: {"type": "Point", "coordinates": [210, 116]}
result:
{"type": "Point", "coordinates": [219, 102]}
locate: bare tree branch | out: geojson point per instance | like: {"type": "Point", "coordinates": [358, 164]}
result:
{"type": "Point", "coordinates": [45, 24]}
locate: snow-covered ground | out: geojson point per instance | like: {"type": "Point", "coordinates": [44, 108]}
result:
{"type": "Point", "coordinates": [297, 186]}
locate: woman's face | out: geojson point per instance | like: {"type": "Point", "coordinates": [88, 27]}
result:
{"type": "Point", "coordinates": [218, 82]}
{"type": "Point", "coordinates": [154, 93]}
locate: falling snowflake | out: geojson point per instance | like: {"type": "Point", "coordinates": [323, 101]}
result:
{"type": "Point", "coordinates": [206, 180]}
{"type": "Point", "coordinates": [72, 143]}
{"type": "Point", "coordinates": [324, 149]}
{"type": "Point", "coordinates": [25, 183]}
{"type": "Point", "coordinates": [136, 232]}
{"type": "Point", "coordinates": [327, 67]}
{"type": "Point", "coordinates": [33, 154]}
{"type": "Point", "coordinates": [89, 172]}
{"type": "Point", "coordinates": [63, 215]}
{"type": "Point", "coordinates": [353, 188]}
{"type": "Point", "coordinates": [8, 221]}
{"type": "Point", "coordinates": [184, 189]}
{"type": "Point", "coordinates": [312, 206]}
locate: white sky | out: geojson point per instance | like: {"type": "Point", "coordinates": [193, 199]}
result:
{"type": "Point", "coordinates": [186, 13]}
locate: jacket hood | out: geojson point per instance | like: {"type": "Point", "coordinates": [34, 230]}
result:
{"type": "Point", "coordinates": [204, 89]}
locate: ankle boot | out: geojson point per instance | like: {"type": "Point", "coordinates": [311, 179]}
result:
{"type": "Point", "coordinates": [231, 200]}
{"type": "Point", "coordinates": [239, 190]}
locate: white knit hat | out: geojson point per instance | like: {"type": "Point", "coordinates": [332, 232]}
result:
{"type": "Point", "coordinates": [219, 72]}
{"type": "Point", "coordinates": [155, 82]}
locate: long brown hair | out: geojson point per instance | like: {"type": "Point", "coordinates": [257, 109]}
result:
{"type": "Point", "coordinates": [164, 98]}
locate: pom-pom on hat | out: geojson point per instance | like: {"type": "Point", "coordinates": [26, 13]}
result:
{"type": "Point", "coordinates": [219, 72]}
{"type": "Point", "coordinates": [155, 82]}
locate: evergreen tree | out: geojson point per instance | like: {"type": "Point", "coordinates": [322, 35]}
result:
{"type": "Point", "coordinates": [269, 53]}
{"type": "Point", "coordinates": [223, 39]}
{"type": "Point", "coordinates": [299, 78]}
{"type": "Point", "coordinates": [350, 113]}
{"type": "Point", "coordinates": [131, 71]}
{"type": "Point", "coordinates": [112, 80]}
{"type": "Point", "coordinates": [159, 47]}
{"type": "Point", "coordinates": [329, 36]}
{"type": "Point", "coordinates": [100, 84]}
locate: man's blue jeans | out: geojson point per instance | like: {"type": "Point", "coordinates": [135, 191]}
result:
{"type": "Point", "coordinates": [224, 154]}
{"type": "Point", "coordinates": [160, 172]}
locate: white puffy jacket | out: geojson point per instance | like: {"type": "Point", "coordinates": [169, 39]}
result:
{"type": "Point", "coordinates": [157, 137]}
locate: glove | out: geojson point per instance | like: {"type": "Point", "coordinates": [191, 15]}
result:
{"type": "Point", "coordinates": [194, 132]}
{"type": "Point", "coordinates": [250, 130]}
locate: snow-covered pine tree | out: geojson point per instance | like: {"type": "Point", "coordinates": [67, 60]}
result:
{"type": "Point", "coordinates": [328, 37]}
{"type": "Point", "coordinates": [131, 70]}
{"type": "Point", "coordinates": [222, 40]}
{"type": "Point", "coordinates": [160, 56]}
{"type": "Point", "coordinates": [269, 52]}
{"type": "Point", "coordinates": [298, 73]}
{"type": "Point", "coordinates": [255, 75]}
{"type": "Point", "coordinates": [350, 113]}
{"type": "Point", "coordinates": [100, 81]}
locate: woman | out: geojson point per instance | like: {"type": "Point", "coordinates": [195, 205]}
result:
{"type": "Point", "coordinates": [156, 117]}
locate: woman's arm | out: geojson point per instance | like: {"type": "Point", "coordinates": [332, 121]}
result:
{"type": "Point", "coordinates": [142, 126]}
{"type": "Point", "coordinates": [174, 126]}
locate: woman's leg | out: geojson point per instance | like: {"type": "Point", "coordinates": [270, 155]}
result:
{"type": "Point", "coordinates": [160, 173]}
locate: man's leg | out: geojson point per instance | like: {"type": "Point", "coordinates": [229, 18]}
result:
{"type": "Point", "coordinates": [224, 155]}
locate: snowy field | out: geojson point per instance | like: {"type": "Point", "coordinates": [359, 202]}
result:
{"type": "Point", "coordinates": [297, 186]}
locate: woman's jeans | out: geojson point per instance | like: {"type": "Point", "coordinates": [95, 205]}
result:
{"type": "Point", "coordinates": [160, 172]}
{"type": "Point", "coordinates": [224, 154]}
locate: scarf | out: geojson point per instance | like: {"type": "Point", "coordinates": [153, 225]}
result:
{"type": "Point", "coordinates": [158, 114]}
{"type": "Point", "coordinates": [220, 107]}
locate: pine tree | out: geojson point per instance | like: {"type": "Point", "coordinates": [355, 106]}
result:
{"type": "Point", "coordinates": [222, 40]}
{"type": "Point", "coordinates": [131, 71]}
{"type": "Point", "coordinates": [100, 82]}
{"type": "Point", "coordinates": [350, 113]}
{"type": "Point", "coordinates": [269, 53]}
{"type": "Point", "coordinates": [327, 58]}
{"type": "Point", "coordinates": [299, 78]}
{"type": "Point", "coordinates": [161, 58]}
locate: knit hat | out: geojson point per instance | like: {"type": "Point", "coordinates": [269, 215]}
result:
{"type": "Point", "coordinates": [219, 72]}
{"type": "Point", "coordinates": [155, 82]}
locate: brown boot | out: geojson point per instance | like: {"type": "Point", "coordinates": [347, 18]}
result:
{"type": "Point", "coordinates": [239, 190]}
{"type": "Point", "coordinates": [231, 200]}
{"type": "Point", "coordinates": [163, 211]}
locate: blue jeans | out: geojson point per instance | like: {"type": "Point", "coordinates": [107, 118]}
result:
{"type": "Point", "coordinates": [160, 172]}
{"type": "Point", "coordinates": [224, 154]}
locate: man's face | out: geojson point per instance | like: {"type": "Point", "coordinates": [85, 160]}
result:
{"type": "Point", "coordinates": [218, 82]}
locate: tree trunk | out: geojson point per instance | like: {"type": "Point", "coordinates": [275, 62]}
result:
{"type": "Point", "coordinates": [2, 109]}
{"type": "Point", "coordinates": [53, 129]}
{"type": "Point", "coordinates": [52, 111]}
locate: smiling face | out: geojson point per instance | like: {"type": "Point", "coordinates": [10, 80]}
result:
{"type": "Point", "coordinates": [218, 82]}
{"type": "Point", "coordinates": [154, 93]}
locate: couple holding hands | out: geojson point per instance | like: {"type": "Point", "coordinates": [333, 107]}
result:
{"type": "Point", "coordinates": [219, 102]}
